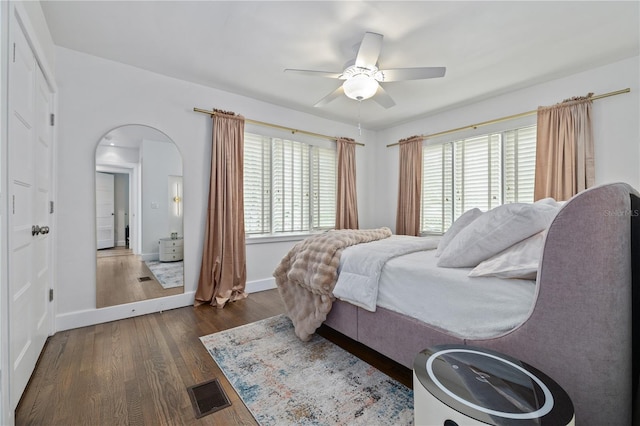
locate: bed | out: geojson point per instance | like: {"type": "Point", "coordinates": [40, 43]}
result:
{"type": "Point", "coordinates": [574, 320]}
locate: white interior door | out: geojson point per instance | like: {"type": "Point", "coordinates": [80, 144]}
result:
{"type": "Point", "coordinates": [104, 210]}
{"type": "Point", "coordinates": [29, 169]}
{"type": "Point", "coordinates": [43, 209]}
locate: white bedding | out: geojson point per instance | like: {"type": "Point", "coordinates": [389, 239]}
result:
{"type": "Point", "coordinates": [467, 307]}
{"type": "Point", "coordinates": [360, 268]}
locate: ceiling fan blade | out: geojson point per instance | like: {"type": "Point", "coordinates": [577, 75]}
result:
{"type": "Point", "coordinates": [383, 98]}
{"type": "Point", "coordinates": [314, 73]}
{"type": "Point", "coordinates": [331, 96]}
{"type": "Point", "coordinates": [369, 50]}
{"type": "Point", "coordinates": [401, 74]}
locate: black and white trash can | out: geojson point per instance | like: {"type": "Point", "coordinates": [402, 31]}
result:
{"type": "Point", "coordinates": [465, 385]}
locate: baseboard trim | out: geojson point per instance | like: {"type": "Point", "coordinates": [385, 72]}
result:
{"type": "Point", "coordinates": [88, 317]}
{"type": "Point", "coordinates": [113, 313]}
{"type": "Point", "coordinates": [150, 257]}
{"type": "Point", "coordinates": [260, 285]}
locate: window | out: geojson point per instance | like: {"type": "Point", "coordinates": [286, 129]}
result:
{"type": "Point", "coordinates": [483, 172]}
{"type": "Point", "coordinates": [289, 186]}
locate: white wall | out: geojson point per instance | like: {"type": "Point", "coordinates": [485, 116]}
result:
{"type": "Point", "coordinates": [97, 95]}
{"type": "Point", "coordinates": [113, 155]}
{"type": "Point", "coordinates": [159, 161]}
{"type": "Point", "coordinates": [615, 124]}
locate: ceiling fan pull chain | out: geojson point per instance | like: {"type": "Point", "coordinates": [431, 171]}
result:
{"type": "Point", "coordinates": [359, 128]}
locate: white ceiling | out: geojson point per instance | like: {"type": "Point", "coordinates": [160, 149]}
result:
{"type": "Point", "coordinates": [243, 47]}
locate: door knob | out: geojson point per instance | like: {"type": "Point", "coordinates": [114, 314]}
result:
{"type": "Point", "coordinates": [35, 230]}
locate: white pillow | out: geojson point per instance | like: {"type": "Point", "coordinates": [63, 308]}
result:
{"type": "Point", "coordinates": [550, 201]}
{"type": "Point", "coordinates": [465, 219]}
{"type": "Point", "coordinates": [495, 231]}
{"type": "Point", "coordinates": [518, 261]}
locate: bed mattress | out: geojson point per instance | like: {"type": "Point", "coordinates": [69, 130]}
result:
{"type": "Point", "coordinates": [446, 298]}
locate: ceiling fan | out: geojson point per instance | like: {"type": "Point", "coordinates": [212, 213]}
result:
{"type": "Point", "coordinates": [362, 79]}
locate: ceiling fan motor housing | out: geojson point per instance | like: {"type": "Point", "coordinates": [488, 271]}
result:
{"type": "Point", "coordinates": [360, 82]}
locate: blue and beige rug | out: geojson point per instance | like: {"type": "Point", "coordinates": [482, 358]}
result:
{"type": "Point", "coordinates": [284, 381]}
{"type": "Point", "coordinates": [168, 274]}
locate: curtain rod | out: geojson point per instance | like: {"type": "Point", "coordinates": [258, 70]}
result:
{"type": "Point", "coordinates": [509, 117]}
{"type": "Point", "coordinates": [277, 126]}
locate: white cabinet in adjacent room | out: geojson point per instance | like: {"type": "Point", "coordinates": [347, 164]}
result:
{"type": "Point", "coordinates": [171, 250]}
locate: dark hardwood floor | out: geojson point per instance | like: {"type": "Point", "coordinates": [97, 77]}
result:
{"type": "Point", "coordinates": [136, 371]}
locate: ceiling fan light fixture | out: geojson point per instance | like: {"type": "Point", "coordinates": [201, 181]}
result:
{"type": "Point", "coordinates": [363, 79]}
{"type": "Point", "coordinates": [360, 87]}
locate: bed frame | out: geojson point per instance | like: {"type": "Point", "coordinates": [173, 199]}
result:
{"type": "Point", "coordinates": [581, 331]}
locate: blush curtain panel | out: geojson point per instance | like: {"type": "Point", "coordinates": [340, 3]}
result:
{"type": "Point", "coordinates": [223, 272]}
{"type": "Point", "coordinates": [564, 149]}
{"type": "Point", "coordinates": [410, 186]}
{"type": "Point", "coordinates": [347, 202]}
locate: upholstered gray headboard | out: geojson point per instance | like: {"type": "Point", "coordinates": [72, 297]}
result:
{"type": "Point", "coordinates": [635, 297]}
{"type": "Point", "coordinates": [583, 330]}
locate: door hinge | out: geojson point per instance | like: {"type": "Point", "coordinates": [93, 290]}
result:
{"type": "Point", "coordinates": [50, 207]}
{"type": "Point", "coordinates": [14, 53]}
{"type": "Point", "coordinates": [50, 295]}
{"type": "Point", "coordinates": [53, 119]}
{"type": "Point", "coordinates": [13, 204]}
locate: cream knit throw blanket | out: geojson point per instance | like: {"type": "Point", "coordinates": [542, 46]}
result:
{"type": "Point", "coordinates": [307, 274]}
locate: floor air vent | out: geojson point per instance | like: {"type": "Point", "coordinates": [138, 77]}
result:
{"type": "Point", "coordinates": [207, 398]}
{"type": "Point", "coordinates": [141, 279]}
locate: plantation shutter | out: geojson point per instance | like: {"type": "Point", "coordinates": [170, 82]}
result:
{"type": "Point", "coordinates": [484, 172]}
{"type": "Point", "coordinates": [324, 188]}
{"type": "Point", "coordinates": [520, 164]}
{"type": "Point", "coordinates": [436, 188]}
{"type": "Point", "coordinates": [257, 184]}
{"type": "Point", "coordinates": [478, 175]}
{"type": "Point", "coordinates": [290, 186]}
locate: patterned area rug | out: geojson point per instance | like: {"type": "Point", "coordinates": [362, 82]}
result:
{"type": "Point", "coordinates": [284, 381]}
{"type": "Point", "coordinates": [168, 274]}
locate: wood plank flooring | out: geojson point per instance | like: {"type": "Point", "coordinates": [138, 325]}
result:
{"type": "Point", "coordinates": [136, 371]}
{"type": "Point", "coordinates": [117, 273]}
